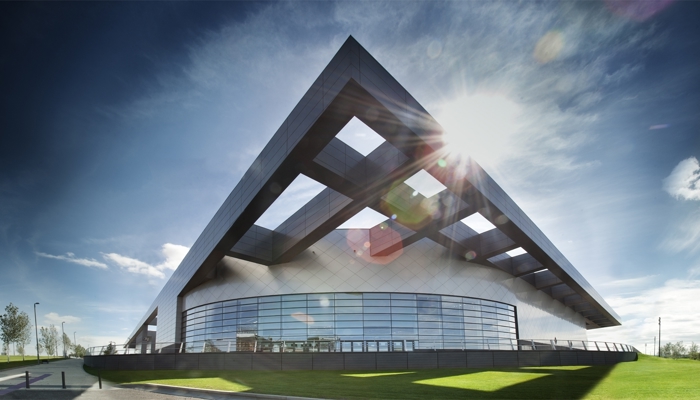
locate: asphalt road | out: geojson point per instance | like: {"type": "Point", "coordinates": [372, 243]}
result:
{"type": "Point", "coordinates": [46, 383]}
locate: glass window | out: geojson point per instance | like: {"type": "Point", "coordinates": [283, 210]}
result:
{"type": "Point", "coordinates": [377, 317]}
{"type": "Point", "coordinates": [348, 303]}
{"type": "Point", "coordinates": [439, 321]}
{"type": "Point", "coordinates": [403, 310]}
{"type": "Point", "coordinates": [376, 303]}
{"type": "Point", "coordinates": [293, 297]}
{"type": "Point", "coordinates": [348, 310]}
{"type": "Point", "coordinates": [380, 324]}
{"type": "Point", "coordinates": [403, 303]}
{"type": "Point", "coordinates": [294, 304]}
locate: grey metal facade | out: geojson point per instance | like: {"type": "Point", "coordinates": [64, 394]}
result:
{"type": "Point", "coordinates": [354, 84]}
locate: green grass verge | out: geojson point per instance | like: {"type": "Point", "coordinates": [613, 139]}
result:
{"type": "Point", "coordinates": [648, 378]}
{"type": "Point", "coordinates": [16, 361]}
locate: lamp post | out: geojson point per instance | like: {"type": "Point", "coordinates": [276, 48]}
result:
{"type": "Point", "coordinates": [659, 336]}
{"type": "Point", "coordinates": [74, 343]}
{"type": "Point", "coordinates": [36, 331]}
{"type": "Point", "coordinates": [63, 339]}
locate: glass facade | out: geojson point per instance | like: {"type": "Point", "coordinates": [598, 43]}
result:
{"type": "Point", "coordinates": [328, 322]}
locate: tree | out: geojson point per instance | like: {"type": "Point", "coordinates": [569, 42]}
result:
{"type": "Point", "coordinates": [25, 334]}
{"type": "Point", "coordinates": [79, 351]}
{"type": "Point", "coordinates": [693, 351]}
{"type": "Point", "coordinates": [667, 350]}
{"type": "Point", "coordinates": [678, 350]}
{"type": "Point", "coordinates": [49, 339]}
{"type": "Point", "coordinates": [110, 349]}
{"type": "Point", "coordinates": [67, 344]}
{"type": "Point", "coordinates": [9, 326]}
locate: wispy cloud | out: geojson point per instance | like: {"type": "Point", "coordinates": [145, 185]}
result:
{"type": "Point", "coordinates": [685, 237]}
{"type": "Point", "coordinates": [172, 253]}
{"type": "Point", "coordinates": [630, 283]}
{"type": "Point", "coordinates": [54, 318]}
{"type": "Point", "coordinates": [684, 181]}
{"type": "Point", "coordinates": [71, 258]}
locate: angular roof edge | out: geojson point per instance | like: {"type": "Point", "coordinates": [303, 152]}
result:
{"type": "Point", "coordinates": [354, 84]}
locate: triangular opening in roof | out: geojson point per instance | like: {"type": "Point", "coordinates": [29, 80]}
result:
{"type": "Point", "coordinates": [478, 223]}
{"type": "Point", "coordinates": [360, 137]}
{"type": "Point", "coordinates": [365, 219]}
{"type": "Point", "coordinates": [298, 193]}
{"type": "Point", "coordinates": [424, 183]}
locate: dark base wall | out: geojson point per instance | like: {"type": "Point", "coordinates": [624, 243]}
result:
{"type": "Point", "coordinates": [356, 361]}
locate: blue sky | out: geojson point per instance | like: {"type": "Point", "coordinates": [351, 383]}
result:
{"type": "Point", "coordinates": [125, 125]}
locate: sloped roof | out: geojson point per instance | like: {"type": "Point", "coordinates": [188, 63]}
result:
{"type": "Point", "coordinates": [354, 84]}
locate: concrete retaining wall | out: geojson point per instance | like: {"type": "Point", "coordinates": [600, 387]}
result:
{"type": "Point", "coordinates": [356, 361]}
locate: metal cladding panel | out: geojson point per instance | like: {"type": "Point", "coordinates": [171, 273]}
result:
{"type": "Point", "coordinates": [297, 361]}
{"type": "Point", "coordinates": [528, 359]}
{"type": "Point", "coordinates": [597, 358]}
{"type": "Point", "coordinates": [613, 358]}
{"type": "Point", "coordinates": [452, 359]}
{"type": "Point", "coordinates": [332, 265]}
{"type": "Point", "coordinates": [164, 362]}
{"type": "Point", "coordinates": [422, 360]}
{"type": "Point", "coordinates": [211, 361]}
{"type": "Point", "coordinates": [137, 362]}
{"type": "Point", "coordinates": [267, 361]}
{"type": "Point", "coordinates": [505, 359]}
{"type": "Point", "coordinates": [392, 360]}
{"type": "Point", "coordinates": [568, 358]}
{"type": "Point", "coordinates": [584, 358]}
{"type": "Point", "coordinates": [549, 358]}
{"type": "Point", "coordinates": [330, 361]}
{"type": "Point", "coordinates": [238, 361]}
{"type": "Point", "coordinates": [186, 361]}
{"type": "Point", "coordinates": [479, 359]}
{"type": "Point", "coordinates": [112, 362]}
{"type": "Point", "coordinates": [360, 361]}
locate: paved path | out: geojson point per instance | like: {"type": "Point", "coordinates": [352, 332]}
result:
{"type": "Point", "coordinates": [45, 383]}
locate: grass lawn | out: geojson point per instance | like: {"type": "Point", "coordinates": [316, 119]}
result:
{"type": "Point", "coordinates": [16, 361]}
{"type": "Point", "coordinates": [649, 378]}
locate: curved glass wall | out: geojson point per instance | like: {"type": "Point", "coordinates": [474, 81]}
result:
{"type": "Point", "coordinates": [349, 322]}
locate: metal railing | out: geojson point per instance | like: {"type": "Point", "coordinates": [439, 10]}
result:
{"type": "Point", "coordinates": [354, 346]}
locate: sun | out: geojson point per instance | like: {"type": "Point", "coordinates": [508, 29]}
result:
{"type": "Point", "coordinates": [481, 125]}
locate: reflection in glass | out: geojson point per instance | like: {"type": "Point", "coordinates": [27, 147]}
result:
{"type": "Point", "coordinates": [329, 322]}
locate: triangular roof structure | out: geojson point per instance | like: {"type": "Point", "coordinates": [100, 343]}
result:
{"type": "Point", "coordinates": [354, 84]}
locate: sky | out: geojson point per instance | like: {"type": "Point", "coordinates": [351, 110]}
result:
{"type": "Point", "coordinates": [125, 125]}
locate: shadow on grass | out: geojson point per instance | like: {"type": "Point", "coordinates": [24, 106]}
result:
{"type": "Point", "coordinates": [511, 383]}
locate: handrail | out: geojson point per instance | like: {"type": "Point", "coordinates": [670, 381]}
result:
{"type": "Point", "coordinates": [338, 345]}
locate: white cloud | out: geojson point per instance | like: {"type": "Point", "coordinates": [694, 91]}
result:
{"type": "Point", "coordinates": [54, 318]}
{"type": "Point", "coordinates": [172, 253]}
{"type": "Point", "coordinates": [675, 302]}
{"type": "Point", "coordinates": [684, 181]}
{"type": "Point", "coordinates": [70, 257]}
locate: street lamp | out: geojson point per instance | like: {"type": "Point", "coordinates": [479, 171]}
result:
{"type": "Point", "coordinates": [659, 336]}
{"type": "Point", "coordinates": [74, 343]}
{"type": "Point", "coordinates": [63, 339]}
{"type": "Point", "coordinates": [36, 331]}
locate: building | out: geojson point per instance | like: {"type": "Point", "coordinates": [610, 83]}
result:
{"type": "Point", "coordinates": [422, 279]}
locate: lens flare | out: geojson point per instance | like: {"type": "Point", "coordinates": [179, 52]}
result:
{"type": "Point", "coordinates": [358, 240]}
{"type": "Point", "coordinates": [479, 124]}
{"type": "Point", "coordinates": [548, 47]}
{"type": "Point", "coordinates": [637, 10]}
